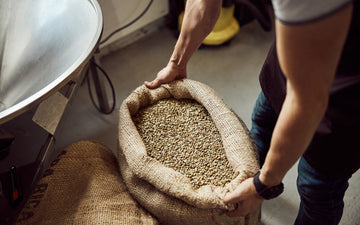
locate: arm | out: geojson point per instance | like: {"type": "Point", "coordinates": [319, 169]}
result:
{"type": "Point", "coordinates": [199, 19]}
{"type": "Point", "coordinates": [308, 56]}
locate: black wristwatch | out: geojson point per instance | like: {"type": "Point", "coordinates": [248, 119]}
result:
{"type": "Point", "coordinates": [264, 191]}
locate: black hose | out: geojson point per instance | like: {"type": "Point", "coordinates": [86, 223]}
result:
{"type": "Point", "coordinates": [112, 90]}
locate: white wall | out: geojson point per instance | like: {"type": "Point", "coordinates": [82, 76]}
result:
{"type": "Point", "coordinates": [118, 13]}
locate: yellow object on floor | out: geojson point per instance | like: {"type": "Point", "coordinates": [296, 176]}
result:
{"type": "Point", "coordinates": [225, 28]}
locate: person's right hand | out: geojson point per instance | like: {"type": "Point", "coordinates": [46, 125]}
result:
{"type": "Point", "coordinates": [166, 75]}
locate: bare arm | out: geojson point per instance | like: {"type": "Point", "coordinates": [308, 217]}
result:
{"type": "Point", "coordinates": [308, 56]}
{"type": "Point", "coordinates": [199, 19]}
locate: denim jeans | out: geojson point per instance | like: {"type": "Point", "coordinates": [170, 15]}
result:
{"type": "Point", "coordinates": [321, 196]}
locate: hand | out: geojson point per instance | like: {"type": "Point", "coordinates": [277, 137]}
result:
{"type": "Point", "coordinates": [245, 197]}
{"type": "Point", "coordinates": [166, 75]}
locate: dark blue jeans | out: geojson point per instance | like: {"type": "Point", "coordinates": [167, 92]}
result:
{"type": "Point", "coordinates": [321, 196]}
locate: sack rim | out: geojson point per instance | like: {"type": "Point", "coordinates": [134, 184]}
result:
{"type": "Point", "coordinates": [144, 166]}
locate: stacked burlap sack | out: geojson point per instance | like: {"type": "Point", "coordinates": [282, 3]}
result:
{"type": "Point", "coordinates": [83, 186]}
{"type": "Point", "coordinates": [168, 194]}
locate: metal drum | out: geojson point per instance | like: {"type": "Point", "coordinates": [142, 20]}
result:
{"type": "Point", "coordinates": [43, 45]}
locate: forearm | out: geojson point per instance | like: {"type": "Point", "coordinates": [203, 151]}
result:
{"type": "Point", "coordinates": [308, 55]}
{"type": "Point", "coordinates": [199, 19]}
{"type": "Point", "coordinates": [293, 132]}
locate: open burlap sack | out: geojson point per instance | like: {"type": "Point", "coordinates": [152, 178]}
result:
{"type": "Point", "coordinates": [83, 186]}
{"type": "Point", "coordinates": [168, 194]}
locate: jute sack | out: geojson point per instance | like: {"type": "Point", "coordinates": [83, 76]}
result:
{"type": "Point", "coordinates": [83, 186]}
{"type": "Point", "coordinates": [168, 194]}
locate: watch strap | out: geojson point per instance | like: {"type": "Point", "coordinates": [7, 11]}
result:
{"type": "Point", "coordinates": [266, 192]}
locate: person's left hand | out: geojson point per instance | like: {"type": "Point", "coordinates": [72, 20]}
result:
{"type": "Point", "coordinates": [245, 197]}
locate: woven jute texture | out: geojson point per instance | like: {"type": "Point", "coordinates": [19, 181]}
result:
{"type": "Point", "coordinates": [168, 194]}
{"type": "Point", "coordinates": [83, 186]}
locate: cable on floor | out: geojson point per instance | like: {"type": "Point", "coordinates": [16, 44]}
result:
{"type": "Point", "coordinates": [103, 71]}
{"type": "Point", "coordinates": [111, 86]}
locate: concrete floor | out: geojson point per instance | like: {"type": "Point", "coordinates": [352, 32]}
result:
{"type": "Point", "coordinates": [232, 70]}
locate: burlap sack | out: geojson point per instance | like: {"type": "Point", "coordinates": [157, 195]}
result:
{"type": "Point", "coordinates": [83, 186]}
{"type": "Point", "coordinates": [167, 194]}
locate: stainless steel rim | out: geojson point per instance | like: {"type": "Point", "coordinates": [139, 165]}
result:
{"type": "Point", "coordinates": [26, 104]}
